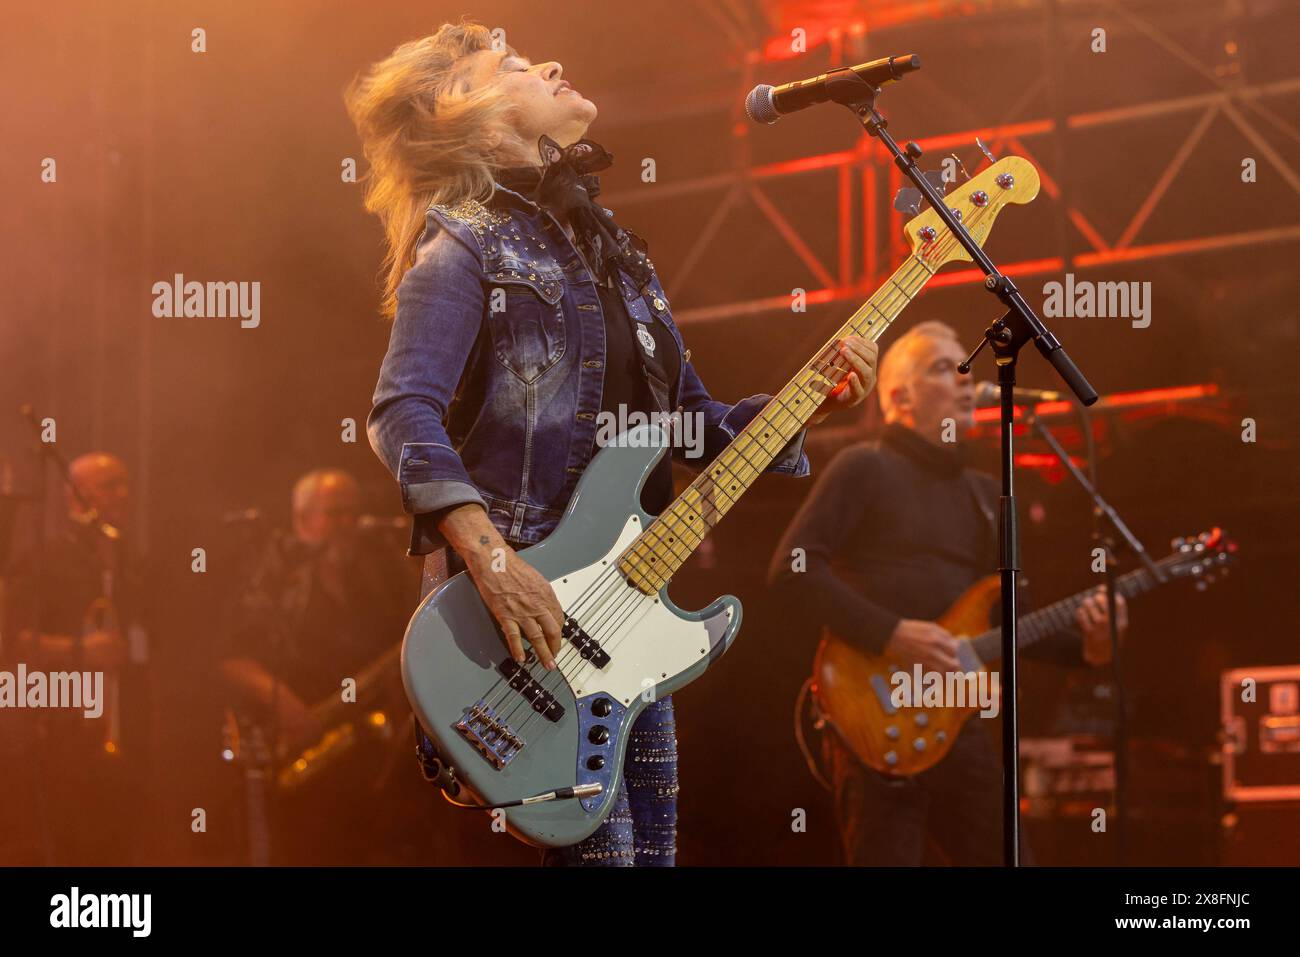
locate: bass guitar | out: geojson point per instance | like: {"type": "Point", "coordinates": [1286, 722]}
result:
{"type": "Point", "coordinates": [548, 747]}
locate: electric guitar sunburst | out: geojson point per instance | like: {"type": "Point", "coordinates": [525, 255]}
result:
{"type": "Point", "coordinates": [548, 746]}
{"type": "Point", "coordinates": [853, 689]}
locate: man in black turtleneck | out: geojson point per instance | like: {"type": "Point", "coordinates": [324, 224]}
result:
{"type": "Point", "coordinates": [891, 535]}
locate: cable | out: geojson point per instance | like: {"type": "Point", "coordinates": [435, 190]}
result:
{"type": "Point", "coordinates": [809, 759]}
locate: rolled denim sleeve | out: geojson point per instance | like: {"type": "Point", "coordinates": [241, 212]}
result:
{"type": "Point", "coordinates": [439, 315]}
{"type": "Point", "coordinates": [722, 421]}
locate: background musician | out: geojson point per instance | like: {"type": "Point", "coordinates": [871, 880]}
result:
{"type": "Point", "coordinates": [894, 531]}
{"type": "Point", "coordinates": [78, 603]}
{"type": "Point", "coordinates": [318, 605]}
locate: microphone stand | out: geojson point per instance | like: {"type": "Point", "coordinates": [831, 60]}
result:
{"type": "Point", "coordinates": [1005, 337]}
{"type": "Point", "coordinates": [1101, 509]}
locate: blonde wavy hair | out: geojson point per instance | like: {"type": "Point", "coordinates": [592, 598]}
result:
{"type": "Point", "coordinates": [427, 139]}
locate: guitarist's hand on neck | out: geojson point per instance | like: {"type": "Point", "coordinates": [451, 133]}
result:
{"type": "Point", "coordinates": [1094, 622]}
{"type": "Point", "coordinates": [860, 355]}
{"type": "Point", "coordinates": [924, 642]}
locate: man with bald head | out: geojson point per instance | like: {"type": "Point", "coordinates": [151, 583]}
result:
{"type": "Point", "coordinates": [299, 612]}
{"type": "Point", "coordinates": [102, 487]}
{"type": "Point", "coordinates": [893, 532]}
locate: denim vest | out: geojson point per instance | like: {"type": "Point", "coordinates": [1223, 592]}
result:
{"type": "Point", "coordinates": [492, 382]}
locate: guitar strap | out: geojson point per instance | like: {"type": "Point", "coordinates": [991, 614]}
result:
{"type": "Point", "coordinates": [435, 571]}
{"type": "Point", "coordinates": [989, 509]}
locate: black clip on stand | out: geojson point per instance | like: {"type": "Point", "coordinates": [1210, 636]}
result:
{"type": "Point", "coordinates": [1105, 540]}
{"type": "Point", "coordinates": [1005, 336]}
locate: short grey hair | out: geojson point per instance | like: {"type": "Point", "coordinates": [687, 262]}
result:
{"type": "Point", "coordinates": [898, 362]}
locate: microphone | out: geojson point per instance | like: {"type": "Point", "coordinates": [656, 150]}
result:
{"type": "Point", "coordinates": [990, 393]}
{"type": "Point", "coordinates": [767, 104]}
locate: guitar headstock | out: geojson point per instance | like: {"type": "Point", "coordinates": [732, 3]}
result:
{"type": "Point", "coordinates": [977, 203]}
{"type": "Point", "coordinates": [1204, 558]}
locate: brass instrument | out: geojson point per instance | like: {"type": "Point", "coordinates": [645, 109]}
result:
{"type": "Point", "coordinates": [102, 615]}
{"type": "Point", "coordinates": [346, 722]}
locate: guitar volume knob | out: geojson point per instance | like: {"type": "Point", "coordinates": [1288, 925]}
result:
{"type": "Point", "coordinates": [601, 707]}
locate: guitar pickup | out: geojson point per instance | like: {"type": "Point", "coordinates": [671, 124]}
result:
{"type": "Point", "coordinates": [588, 647]}
{"type": "Point", "coordinates": [542, 701]}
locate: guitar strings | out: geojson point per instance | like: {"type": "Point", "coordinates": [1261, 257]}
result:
{"type": "Point", "coordinates": [611, 581]}
{"type": "Point", "coordinates": [820, 364]}
{"type": "Point", "coordinates": [608, 582]}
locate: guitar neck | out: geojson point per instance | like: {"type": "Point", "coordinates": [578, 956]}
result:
{"type": "Point", "coordinates": [654, 557]}
{"type": "Point", "coordinates": [1057, 617]}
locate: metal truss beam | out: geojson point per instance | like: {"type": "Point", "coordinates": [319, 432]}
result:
{"type": "Point", "coordinates": [841, 282]}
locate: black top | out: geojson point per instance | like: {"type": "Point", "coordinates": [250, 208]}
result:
{"type": "Point", "coordinates": [625, 381]}
{"type": "Point", "coordinates": [895, 529]}
{"type": "Point", "coordinates": [52, 589]}
{"type": "Point", "coordinates": [282, 617]}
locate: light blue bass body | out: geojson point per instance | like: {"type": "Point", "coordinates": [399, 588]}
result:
{"type": "Point", "coordinates": [453, 649]}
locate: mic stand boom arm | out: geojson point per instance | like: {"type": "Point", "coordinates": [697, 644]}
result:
{"type": "Point", "coordinates": [1005, 336]}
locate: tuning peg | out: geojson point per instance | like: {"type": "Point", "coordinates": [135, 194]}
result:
{"type": "Point", "coordinates": [985, 150]}
{"type": "Point", "coordinates": [1178, 544]}
{"type": "Point", "coordinates": [908, 200]}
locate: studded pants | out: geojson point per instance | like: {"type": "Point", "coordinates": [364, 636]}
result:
{"type": "Point", "coordinates": [641, 830]}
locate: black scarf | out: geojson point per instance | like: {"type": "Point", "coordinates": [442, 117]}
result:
{"type": "Point", "coordinates": [567, 183]}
